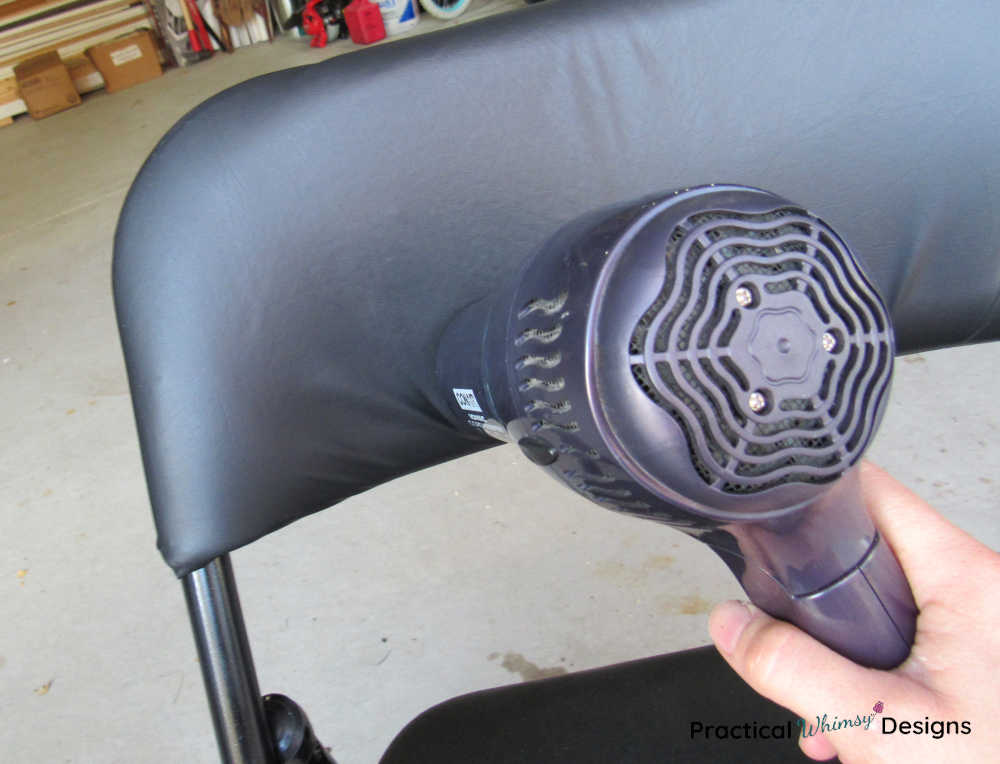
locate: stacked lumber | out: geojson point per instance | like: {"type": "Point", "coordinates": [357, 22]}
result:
{"type": "Point", "coordinates": [29, 28]}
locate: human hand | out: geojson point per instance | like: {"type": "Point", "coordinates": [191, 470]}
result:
{"type": "Point", "coordinates": [949, 676]}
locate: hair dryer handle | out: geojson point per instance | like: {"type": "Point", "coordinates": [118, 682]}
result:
{"type": "Point", "coordinates": [867, 615]}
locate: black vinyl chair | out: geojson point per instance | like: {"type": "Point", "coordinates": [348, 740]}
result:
{"type": "Point", "coordinates": [282, 359]}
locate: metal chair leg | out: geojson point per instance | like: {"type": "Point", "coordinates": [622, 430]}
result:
{"type": "Point", "coordinates": [227, 665]}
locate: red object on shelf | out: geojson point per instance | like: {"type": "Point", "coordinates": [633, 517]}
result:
{"type": "Point", "coordinates": [364, 22]}
{"type": "Point", "coordinates": [313, 24]}
{"type": "Point", "coordinates": [199, 25]}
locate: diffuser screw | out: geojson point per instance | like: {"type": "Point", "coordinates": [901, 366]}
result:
{"type": "Point", "coordinates": [757, 402]}
{"type": "Point", "coordinates": [829, 342]}
{"type": "Point", "coordinates": [744, 297]}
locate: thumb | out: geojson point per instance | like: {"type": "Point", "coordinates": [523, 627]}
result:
{"type": "Point", "coordinates": [794, 670]}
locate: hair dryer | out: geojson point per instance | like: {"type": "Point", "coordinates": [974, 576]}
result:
{"type": "Point", "coordinates": [715, 359]}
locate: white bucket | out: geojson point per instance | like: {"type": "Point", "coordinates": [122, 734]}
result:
{"type": "Point", "coordinates": [399, 15]}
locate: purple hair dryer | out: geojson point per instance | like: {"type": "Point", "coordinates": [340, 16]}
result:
{"type": "Point", "coordinates": [714, 359]}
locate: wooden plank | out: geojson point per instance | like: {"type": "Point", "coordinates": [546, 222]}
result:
{"type": "Point", "coordinates": [20, 10]}
{"type": "Point", "coordinates": [8, 90]}
{"type": "Point", "coordinates": [70, 16]}
{"type": "Point", "coordinates": [74, 26]}
{"type": "Point", "coordinates": [12, 108]}
{"type": "Point", "coordinates": [78, 45]}
{"type": "Point", "coordinates": [26, 48]}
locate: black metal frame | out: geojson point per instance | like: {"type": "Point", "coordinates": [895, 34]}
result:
{"type": "Point", "coordinates": [227, 665]}
{"type": "Point", "coordinates": [249, 729]}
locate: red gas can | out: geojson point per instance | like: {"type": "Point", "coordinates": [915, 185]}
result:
{"type": "Point", "coordinates": [364, 22]}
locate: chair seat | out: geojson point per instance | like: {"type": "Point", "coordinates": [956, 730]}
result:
{"type": "Point", "coordinates": [640, 712]}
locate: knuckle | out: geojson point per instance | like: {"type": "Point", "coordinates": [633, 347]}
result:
{"type": "Point", "coordinates": [764, 653]}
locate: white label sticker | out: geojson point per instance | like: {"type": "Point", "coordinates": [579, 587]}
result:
{"type": "Point", "coordinates": [123, 56]}
{"type": "Point", "coordinates": [466, 399]}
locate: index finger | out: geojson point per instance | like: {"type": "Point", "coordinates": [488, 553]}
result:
{"type": "Point", "coordinates": [916, 532]}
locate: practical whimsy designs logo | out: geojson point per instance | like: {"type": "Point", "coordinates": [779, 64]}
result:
{"type": "Point", "coordinates": [823, 723]}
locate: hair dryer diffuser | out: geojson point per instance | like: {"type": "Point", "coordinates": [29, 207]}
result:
{"type": "Point", "coordinates": [714, 359]}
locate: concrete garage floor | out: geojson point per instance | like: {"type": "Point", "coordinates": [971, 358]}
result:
{"type": "Point", "coordinates": [469, 575]}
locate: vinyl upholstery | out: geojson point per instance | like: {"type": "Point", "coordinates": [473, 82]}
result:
{"type": "Point", "coordinates": [281, 356]}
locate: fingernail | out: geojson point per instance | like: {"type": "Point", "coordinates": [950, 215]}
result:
{"type": "Point", "coordinates": [727, 623]}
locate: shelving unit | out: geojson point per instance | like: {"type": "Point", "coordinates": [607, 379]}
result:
{"type": "Point", "coordinates": [69, 27]}
{"type": "Point", "coordinates": [31, 27]}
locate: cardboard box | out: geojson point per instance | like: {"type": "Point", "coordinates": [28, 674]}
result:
{"type": "Point", "coordinates": [126, 61]}
{"type": "Point", "coordinates": [84, 74]}
{"type": "Point", "coordinates": [45, 85]}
